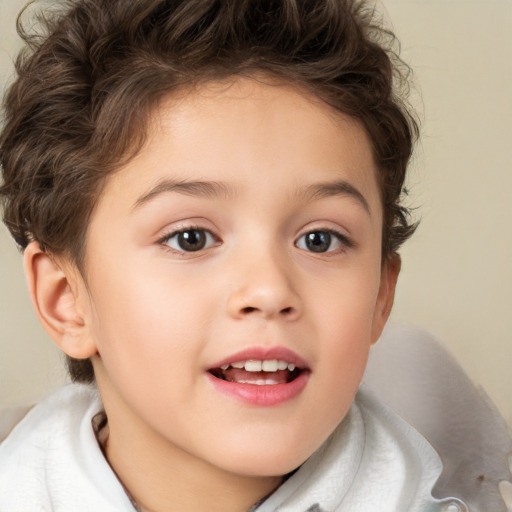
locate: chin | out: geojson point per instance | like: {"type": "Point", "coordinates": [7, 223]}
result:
{"type": "Point", "coordinates": [265, 463]}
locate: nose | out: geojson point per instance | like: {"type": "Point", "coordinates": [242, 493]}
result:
{"type": "Point", "coordinates": [263, 287]}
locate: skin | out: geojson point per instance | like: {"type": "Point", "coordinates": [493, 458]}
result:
{"type": "Point", "coordinates": [155, 318]}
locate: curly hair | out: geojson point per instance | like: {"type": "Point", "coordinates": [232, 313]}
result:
{"type": "Point", "coordinates": [87, 83]}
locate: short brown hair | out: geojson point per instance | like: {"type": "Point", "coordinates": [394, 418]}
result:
{"type": "Point", "coordinates": [85, 89]}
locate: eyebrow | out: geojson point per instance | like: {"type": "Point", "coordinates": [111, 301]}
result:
{"type": "Point", "coordinates": [335, 188]}
{"type": "Point", "coordinates": [189, 188]}
{"type": "Point", "coordinates": [212, 189]}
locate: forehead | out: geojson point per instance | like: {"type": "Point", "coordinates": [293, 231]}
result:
{"type": "Point", "coordinates": [246, 133]}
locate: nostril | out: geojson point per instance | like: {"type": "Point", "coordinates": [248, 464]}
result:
{"type": "Point", "coordinates": [287, 312]}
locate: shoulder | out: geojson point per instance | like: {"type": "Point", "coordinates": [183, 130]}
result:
{"type": "Point", "coordinates": [398, 460]}
{"type": "Point", "coordinates": [373, 461]}
{"type": "Point", "coordinates": [44, 424]}
{"type": "Point", "coordinates": [413, 374]}
{"type": "Point", "coordinates": [69, 400]}
{"type": "Point", "coordinates": [51, 459]}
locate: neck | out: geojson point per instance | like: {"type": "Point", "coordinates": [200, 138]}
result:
{"type": "Point", "coordinates": [161, 477]}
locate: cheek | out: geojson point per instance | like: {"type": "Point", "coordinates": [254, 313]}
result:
{"type": "Point", "coordinates": [346, 300]}
{"type": "Point", "coordinates": [344, 313]}
{"type": "Point", "coordinates": [346, 351]}
{"type": "Point", "coordinates": [145, 324]}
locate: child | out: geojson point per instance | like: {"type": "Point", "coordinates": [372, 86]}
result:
{"type": "Point", "coordinates": [208, 198]}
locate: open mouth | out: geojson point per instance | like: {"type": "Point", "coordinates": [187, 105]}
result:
{"type": "Point", "coordinates": [266, 372]}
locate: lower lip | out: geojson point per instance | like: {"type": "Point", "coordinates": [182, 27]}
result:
{"type": "Point", "coordinates": [265, 395]}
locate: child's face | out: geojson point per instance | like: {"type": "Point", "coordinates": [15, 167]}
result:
{"type": "Point", "coordinates": [248, 228]}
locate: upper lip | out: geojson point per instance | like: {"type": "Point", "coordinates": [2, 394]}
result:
{"type": "Point", "coordinates": [263, 354]}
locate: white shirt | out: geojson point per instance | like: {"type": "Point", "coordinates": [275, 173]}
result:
{"type": "Point", "coordinates": [373, 461]}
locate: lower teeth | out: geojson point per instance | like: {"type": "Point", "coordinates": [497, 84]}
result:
{"type": "Point", "coordinates": [259, 382]}
{"type": "Point", "coordinates": [264, 380]}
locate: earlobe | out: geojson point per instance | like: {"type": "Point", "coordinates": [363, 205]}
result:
{"type": "Point", "coordinates": [55, 293]}
{"type": "Point", "coordinates": [386, 296]}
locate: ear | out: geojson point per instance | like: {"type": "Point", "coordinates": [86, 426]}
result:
{"type": "Point", "coordinates": [58, 295]}
{"type": "Point", "coordinates": [386, 296]}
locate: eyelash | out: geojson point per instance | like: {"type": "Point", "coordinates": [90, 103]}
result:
{"type": "Point", "coordinates": [344, 241]}
{"type": "Point", "coordinates": [164, 241]}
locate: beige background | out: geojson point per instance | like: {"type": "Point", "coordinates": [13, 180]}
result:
{"type": "Point", "coordinates": [457, 271]}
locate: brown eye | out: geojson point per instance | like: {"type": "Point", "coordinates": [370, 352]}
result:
{"type": "Point", "coordinates": [320, 241]}
{"type": "Point", "coordinates": [190, 240]}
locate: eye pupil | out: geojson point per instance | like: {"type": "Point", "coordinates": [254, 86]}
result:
{"type": "Point", "coordinates": [318, 241]}
{"type": "Point", "coordinates": [192, 240]}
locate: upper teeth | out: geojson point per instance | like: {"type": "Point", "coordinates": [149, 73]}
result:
{"type": "Point", "coordinates": [268, 365]}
